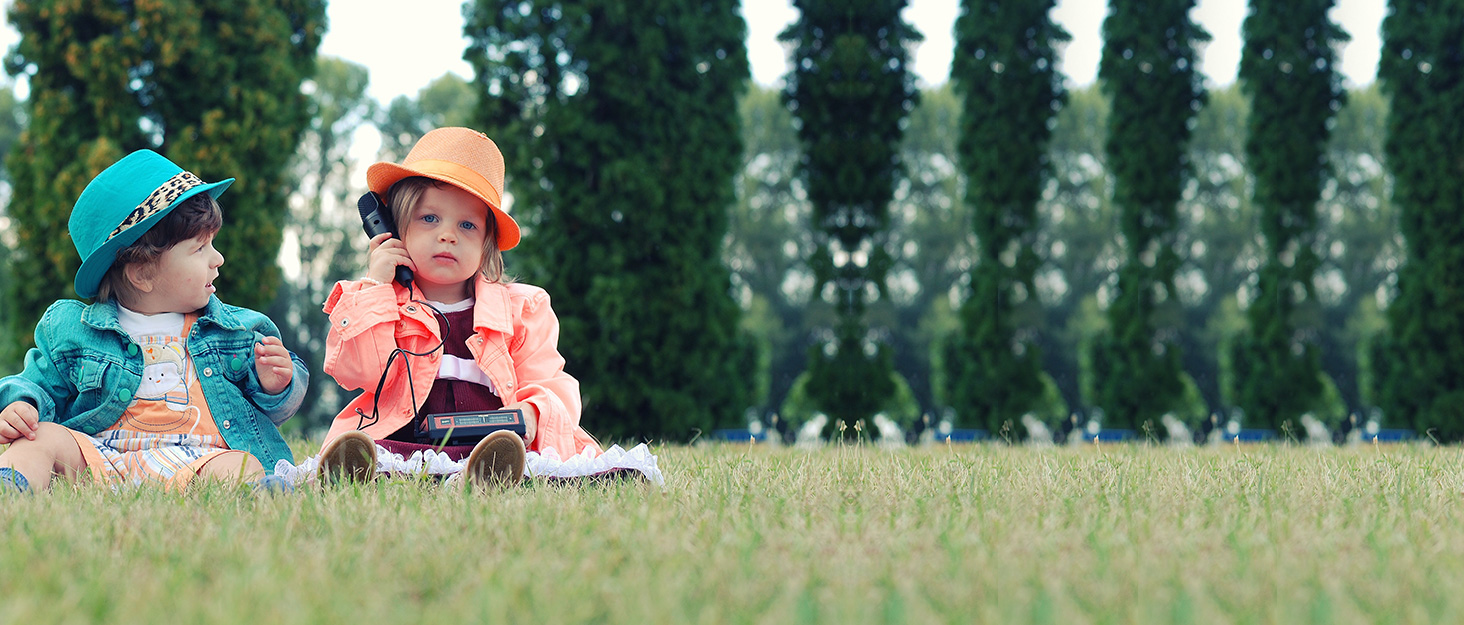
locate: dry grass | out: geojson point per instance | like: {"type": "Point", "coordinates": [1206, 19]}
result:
{"type": "Point", "coordinates": [1255, 534]}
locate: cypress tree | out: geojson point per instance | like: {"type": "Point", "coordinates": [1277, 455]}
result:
{"type": "Point", "coordinates": [1287, 67]}
{"type": "Point", "coordinates": [1148, 70]}
{"type": "Point", "coordinates": [619, 126]}
{"type": "Point", "coordinates": [1005, 71]}
{"type": "Point", "coordinates": [214, 85]}
{"type": "Point", "coordinates": [849, 89]}
{"type": "Point", "coordinates": [1420, 367]}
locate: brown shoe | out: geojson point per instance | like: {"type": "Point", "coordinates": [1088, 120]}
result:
{"type": "Point", "coordinates": [496, 461]}
{"type": "Point", "coordinates": [350, 456]}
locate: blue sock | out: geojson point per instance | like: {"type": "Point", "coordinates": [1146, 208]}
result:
{"type": "Point", "coordinates": [272, 484]}
{"type": "Point", "coordinates": [10, 479]}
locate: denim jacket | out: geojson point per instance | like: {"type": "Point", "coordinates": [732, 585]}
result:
{"type": "Point", "coordinates": [85, 370]}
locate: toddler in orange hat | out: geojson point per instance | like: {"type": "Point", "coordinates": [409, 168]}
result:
{"type": "Point", "coordinates": [458, 336]}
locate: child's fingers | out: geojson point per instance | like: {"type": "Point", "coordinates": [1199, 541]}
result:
{"type": "Point", "coordinates": [22, 419]}
{"type": "Point", "coordinates": [263, 363]}
{"type": "Point", "coordinates": [275, 379]}
{"type": "Point", "coordinates": [28, 414]}
{"type": "Point", "coordinates": [10, 433]}
{"type": "Point", "coordinates": [377, 240]}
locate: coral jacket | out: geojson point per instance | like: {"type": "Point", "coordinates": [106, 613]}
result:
{"type": "Point", "coordinates": [514, 343]}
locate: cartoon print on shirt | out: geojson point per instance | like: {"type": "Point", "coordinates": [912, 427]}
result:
{"type": "Point", "coordinates": [166, 374]}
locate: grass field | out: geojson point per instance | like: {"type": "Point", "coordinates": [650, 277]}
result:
{"type": "Point", "coordinates": [739, 534]}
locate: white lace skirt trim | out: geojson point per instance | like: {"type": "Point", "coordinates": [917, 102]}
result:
{"type": "Point", "coordinates": [536, 465]}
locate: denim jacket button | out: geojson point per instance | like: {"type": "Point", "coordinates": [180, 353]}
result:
{"type": "Point", "coordinates": [132, 348]}
{"type": "Point", "coordinates": [208, 372]}
{"type": "Point", "coordinates": [226, 424]}
{"type": "Point", "coordinates": [345, 322]}
{"type": "Point", "coordinates": [236, 364]}
{"type": "Point", "coordinates": [124, 395]}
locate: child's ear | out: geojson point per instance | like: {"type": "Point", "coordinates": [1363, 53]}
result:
{"type": "Point", "coordinates": [140, 276]}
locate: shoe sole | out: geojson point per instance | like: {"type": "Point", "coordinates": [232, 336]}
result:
{"type": "Point", "coordinates": [496, 461]}
{"type": "Point", "coordinates": [350, 457]}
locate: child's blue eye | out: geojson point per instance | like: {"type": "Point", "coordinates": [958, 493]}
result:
{"type": "Point", "coordinates": [431, 219]}
{"type": "Point", "coordinates": [468, 225]}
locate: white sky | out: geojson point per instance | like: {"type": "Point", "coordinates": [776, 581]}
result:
{"type": "Point", "coordinates": [406, 45]}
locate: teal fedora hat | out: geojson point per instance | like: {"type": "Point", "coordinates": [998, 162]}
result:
{"type": "Point", "coordinates": [121, 204]}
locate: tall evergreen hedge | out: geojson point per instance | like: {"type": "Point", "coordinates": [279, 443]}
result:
{"type": "Point", "coordinates": [1005, 70]}
{"type": "Point", "coordinates": [1148, 70]}
{"type": "Point", "coordinates": [212, 84]}
{"type": "Point", "coordinates": [619, 125]}
{"type": "Point", "coordinates": [849, 89]}
{"type": "Point", "coordinates": [1288, 68]}
{"type": "Point", "coordinates": [1420, 366]}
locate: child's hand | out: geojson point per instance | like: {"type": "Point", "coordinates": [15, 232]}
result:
{"type": "Point", "coordinates": [272, 363]}
{"type": "Point", "coordinates": [386, 253]}
{"type": "Point", "coordinates": [531, 419]}
{"type": "Point", "coordinates": [17, 421]}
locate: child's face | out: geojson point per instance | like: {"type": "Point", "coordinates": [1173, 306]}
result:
{"type": "Point", "coordinates": [182, 278]}
{"type": "Point", "coordinates": [445, 239]}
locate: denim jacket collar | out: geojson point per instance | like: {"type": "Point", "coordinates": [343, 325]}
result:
{"type": "Point", "coordinates": [103, 316]}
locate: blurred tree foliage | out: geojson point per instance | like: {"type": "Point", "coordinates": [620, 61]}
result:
{"type": "Point", "coordinates": [769, 238]}
{"type": "Point", "coordinates": [1078, 244]}
{"type": "Point", "coordinates": [323, 237]}
{"type": "Point", "coordinates": [1287, 68]}
{"type": "Point", "coordinates": [1362, 248]}
{"type": "Point", "coordinates": [12, 121]}
{"type": "Point", "coordinates": [931, 244]}
{"type": "Point", "coordinates": [446, 101]}
{"type": "Point", "coordinates": [1148, 70]}
{"type": "Point", "coordinates": [1420, 366]}
{"type": "Point", "coordinates": [1217, 246]}
{"type": "Point", "coordinates": [214, 85]}
{"type": "Point", "coordinates": [1005, 71]}
{"type": "Point", "coordinates": [619, 126]}
{"type": "Point", "coordinates": [850, 90]}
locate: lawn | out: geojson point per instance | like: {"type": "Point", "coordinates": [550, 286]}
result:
{"type": "Point", "coordinates": [757, 534]}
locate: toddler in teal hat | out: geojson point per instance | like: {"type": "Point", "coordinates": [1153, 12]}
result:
{"type": "Point", "coordinates": [157, 380]}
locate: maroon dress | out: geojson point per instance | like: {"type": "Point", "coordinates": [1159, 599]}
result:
{"type": "Point", "coordinates": [447, 395]}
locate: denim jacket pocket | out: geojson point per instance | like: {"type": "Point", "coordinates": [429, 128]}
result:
{"type": "Point", "coordinates": [89, 374]}
{"type": "Point", "coordinates": [235, 365]}
{"type": "Point", "coordinates": [230, 357]}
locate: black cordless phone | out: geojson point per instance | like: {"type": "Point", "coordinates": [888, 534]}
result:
{"type": "Point", "coordinates": [376, 219]}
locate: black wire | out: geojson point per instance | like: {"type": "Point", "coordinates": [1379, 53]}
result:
{"type": "Point", "coordinates": [380, 383]}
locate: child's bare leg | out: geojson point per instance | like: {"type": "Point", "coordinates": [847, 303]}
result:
{"type": "Point", "coordinates": [233, 465]}
{"type": "Point", "coordinates": [53, 452]}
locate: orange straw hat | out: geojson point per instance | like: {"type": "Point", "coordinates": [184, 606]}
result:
{"type": "Point", "coordinates": [462, 157]}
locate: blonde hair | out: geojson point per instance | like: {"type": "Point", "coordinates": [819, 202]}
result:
{"type": "Point", "coordinates": [194, 217]}
{"type": "Point", "coordinates": [404, 197]}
